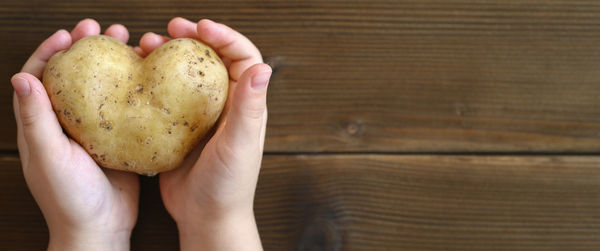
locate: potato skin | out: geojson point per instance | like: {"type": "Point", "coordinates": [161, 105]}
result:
{"type": "Point", "coordinates": [135, 114]}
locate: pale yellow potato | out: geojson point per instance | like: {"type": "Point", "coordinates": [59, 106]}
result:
{"type": "Point", "coordinates": [135, 114]}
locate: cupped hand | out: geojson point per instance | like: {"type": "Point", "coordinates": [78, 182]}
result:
{"type": "Point", "coordinates": [211, 195]}
{"type": "Point", "coordinates": [86, 207]}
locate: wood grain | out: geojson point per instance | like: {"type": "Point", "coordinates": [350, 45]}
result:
{"type": "Point", "coordinates": [383, 76]}
{"type": "Point", "coordinates": [379, 202]}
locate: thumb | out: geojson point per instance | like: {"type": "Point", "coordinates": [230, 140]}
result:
{"type": "Point", "coordinates": [34, 114]}
{"type": "Point", "coordinates": [245, 121]}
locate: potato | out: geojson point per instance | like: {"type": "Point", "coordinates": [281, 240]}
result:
{"type": "Point", "coordinates": [135, 114]}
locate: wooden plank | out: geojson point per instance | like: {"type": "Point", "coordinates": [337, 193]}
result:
{"type": "Point", "coordinates": [380, 202]}
{"type": "Point", "coordinates": [383, 76]}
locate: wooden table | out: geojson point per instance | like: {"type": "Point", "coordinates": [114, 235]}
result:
{"type": "Point", "coordinates": [406, 124]}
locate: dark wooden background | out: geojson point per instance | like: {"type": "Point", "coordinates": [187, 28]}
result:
{"type": "Point", "coordinates": [406, 124]}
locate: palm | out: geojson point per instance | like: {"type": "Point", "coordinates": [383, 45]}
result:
{"type": "Point", "coordinates": [201, 177]}
{"type": "Point", "coordinates": [108, 194]}
{"type": "Point", "coordinates": [102, 198]}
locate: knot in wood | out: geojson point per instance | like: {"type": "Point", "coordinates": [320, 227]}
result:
{"type": "Point", "coordinates": [320, 234]}
{"type": "Point", "coordinates": [354, 128]}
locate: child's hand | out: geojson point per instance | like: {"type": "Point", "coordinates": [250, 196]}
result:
{"type": "Point", "coordinates": [86, 207]}
{"type": "Point", "coordinates": [211, 195]}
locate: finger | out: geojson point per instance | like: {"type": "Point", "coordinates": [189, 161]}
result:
{"type": "Point", "coordinates": [151, 41]}
{"type": "Point", "coordinates": [85, 27]}
{"type": "Point", "coordinates": [180, 27]}
{"type": "Point", "coordinates": [226, 62]}
{"type": "Point", "coordinates": [230, 44]}
{"type": "Point", "coordinates": [23, 149]}
{"type": "Point", "coordinates": [118, 31]}
{"type": "Point", "coordinates": [60, 40]}
{"type": "Point", "coordinates": [263, 130]}
{"type": "Point", "coordinates": [139, 51]}
{"type": "Point", "coordinates": [36, 119]}
{"type": "Point", "coordinates": [246, 116]}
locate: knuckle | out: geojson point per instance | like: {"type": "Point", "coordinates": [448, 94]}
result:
{"type": "Point", "coordinates": [29, 118]}
{"type": "Point", "coordinates": [254, 110]}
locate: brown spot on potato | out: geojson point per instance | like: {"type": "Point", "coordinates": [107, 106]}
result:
{"type": "Point", "coordinates": [78, 120]}
{"type": "Point", "coordinates": [201, 59]}
{"type": "Point", "coordinates": [201, 73]}
{"type": "Point", "coordinates": [94, 156]}
{"type": "Point", "coordinates": [125, 163]}
{"type": "Point", "coordinates": [193, 127]}
{"type": "Point", "coordinates": [175, 123]}
{"type": "Point", "coordinates": [139, 88]}
{"type": "Point", "coordinates": [154, 158]}
{"type": "Point", "coordinates": [107, 125]}
{"type": "Point", "coordinates": [185, 123]}
{"type": "Point", "coordinates": [67, 114]}
{"type": "Point", "coordinates": [207, 53]}
{"type": "Point", "coordinates": [58, 92]}
{"type": "Point", "coordinates": [131, 100]}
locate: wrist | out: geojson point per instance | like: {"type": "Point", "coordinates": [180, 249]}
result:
{"type": "Point", "coordinates": [83, 240]}
{"type": "Point", "coordinates": [231, 231]}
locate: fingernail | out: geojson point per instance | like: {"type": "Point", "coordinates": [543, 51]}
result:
{"type": "Point", "coordinates": [260, 80]}
{"type": "Point", "coordinates": [21, 86]}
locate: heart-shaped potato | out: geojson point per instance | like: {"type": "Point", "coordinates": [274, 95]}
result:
{"type": "Point", "coordinates": [135, 114]}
